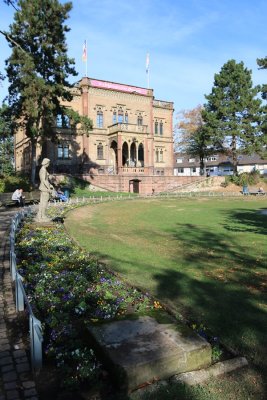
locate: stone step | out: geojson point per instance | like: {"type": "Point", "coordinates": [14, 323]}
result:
{"type": "Point", "coordinates": [144, 350]}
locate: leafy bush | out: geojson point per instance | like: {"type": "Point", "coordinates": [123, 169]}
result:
{"type": "Point", "coordinates": [245, 178]}
{"type": "Point", "coordinates": [9, 183]}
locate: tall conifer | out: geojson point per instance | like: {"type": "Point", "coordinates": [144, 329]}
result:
{"type": "Point", "coordinates": [38, 68]}
{"type": "Point", "coordinates": [232, 114]}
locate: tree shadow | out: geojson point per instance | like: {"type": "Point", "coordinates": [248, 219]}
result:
{"type": "Point", "coordinates": [247, 221]}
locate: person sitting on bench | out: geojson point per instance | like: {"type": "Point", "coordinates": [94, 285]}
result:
{"type": "Point", "coordinates": [18, 197]}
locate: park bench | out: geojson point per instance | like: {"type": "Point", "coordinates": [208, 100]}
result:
{"type": "Point", "coordinates": [30, 198]}
{"type": "Point", "coordinates": [257, 193]}
{"type": "Point", "coordinates": [252, 192]}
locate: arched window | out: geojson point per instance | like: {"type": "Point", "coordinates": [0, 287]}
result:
{"type": "Point", "coordinates": [114, 118]}
{"type": "Point", "coordinates": [139, 120]}
{"type": "Point", "coordinates": [156, 128]}
{"type": "Point", "coordinates": [161, 128]}
{"type": "Point", "coordinates": [100, 151]}
{"type": "Point", "coordinates": [99, 119]}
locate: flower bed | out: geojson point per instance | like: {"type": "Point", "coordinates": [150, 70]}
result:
{"type": "Point", "coordinates": [68, 289]}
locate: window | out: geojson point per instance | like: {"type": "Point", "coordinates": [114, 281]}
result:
{"type": "Point", "coordinates": [139, 120]}
{"type": "Point", "coordinates": [63, 151]}
{"type": "Point", "coordinates": [126, 118]}
{"type": "Point", "coordinates": [100, 151]}
{"type": "Point", "coordinates": [212, 158]}
{"type": "Point", "coordinates": [156, 128]}
{"type": "Point", "coordinates": [192, 160]}
{"type": "Point", "coordinates": [120, 117]}
{"type": "Point", "coordinates": [179, 160]}
{"type": "Point", "coordinates": [114, 117]}
{"type": "Point", "coordinates": [99, 119]}
{"type": "Point", "coordinates": [161, 128]}
{"type": "Point", "coordinates": [62, 121]}
{"type": "Point", "coordinates": [180, 170]}
{"type": "Point", "coordinates": [159, 155]}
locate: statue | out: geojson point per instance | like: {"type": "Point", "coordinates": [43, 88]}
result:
{"type": "Point", "coordinates": [46, 189]}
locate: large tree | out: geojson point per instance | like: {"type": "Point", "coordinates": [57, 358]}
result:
{"type": "Point", "coordinates": [262, 63]}
{"type": "Point", "coordinates": [232, 114]}
{"type": "Point", "coordinates": [192, 137]}
{"type": "Point", "coordinates": [6, 142]}
{"type": "Point", "coordinates": [38, 68]}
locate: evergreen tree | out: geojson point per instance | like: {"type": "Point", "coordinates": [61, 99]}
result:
{"type": "Point", "coordinates": [262, 63]}
{"type": "Point", "coordinates": [38, 68]}
{"type": "Point", "coordinates": [232, 115]}
{"type": "Point", "coordinates": [6, 143]}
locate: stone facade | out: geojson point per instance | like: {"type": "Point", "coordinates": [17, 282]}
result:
{"type": "Point", "coordinates": [131, 136]}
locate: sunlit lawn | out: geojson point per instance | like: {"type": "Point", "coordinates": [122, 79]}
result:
{"type": "Point", "coordinates": [205, 259]}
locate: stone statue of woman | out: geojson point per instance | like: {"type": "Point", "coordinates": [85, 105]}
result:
{"type": "Point", "coordinates": [46, 189]}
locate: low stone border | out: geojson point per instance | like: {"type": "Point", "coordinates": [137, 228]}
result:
{"type": "Point", "coordinates": [194, 377]}
{"type": "Point", "coordinates": [220, 368]}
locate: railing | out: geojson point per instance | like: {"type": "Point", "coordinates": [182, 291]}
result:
{"type": "Point", "coordinates": [123, 127]}
{"type": "Point", "coordinates": [35, 327]}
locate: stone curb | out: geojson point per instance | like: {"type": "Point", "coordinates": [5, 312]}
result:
{"type": "Point", "coordinates": [194, 377]}
{"type": "Point", "coordinates": [220, 368]}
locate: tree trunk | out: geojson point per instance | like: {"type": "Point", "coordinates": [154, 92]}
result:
{"type": "Point", "coordinates": [33, 162]}
{"type": "Point", "coordinates": [234, 155]}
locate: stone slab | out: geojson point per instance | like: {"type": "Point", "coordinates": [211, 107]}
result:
{"type": "Point", "coordinates": [144, 350]}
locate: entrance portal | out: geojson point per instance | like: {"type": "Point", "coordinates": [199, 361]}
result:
{"type": "Point", "coordinates": [134, 185]}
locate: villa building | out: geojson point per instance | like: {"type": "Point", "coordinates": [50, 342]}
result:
{"type": "Point", "coordinates": [132, 137]}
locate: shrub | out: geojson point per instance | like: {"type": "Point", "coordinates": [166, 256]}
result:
{"type": "Point", "coordinates": [9, 183]}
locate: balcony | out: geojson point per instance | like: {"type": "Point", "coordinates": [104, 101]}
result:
{"type": "Point", "coordinates": [130, 128]}
{"type": "Point", "coordinates": [163, 104]}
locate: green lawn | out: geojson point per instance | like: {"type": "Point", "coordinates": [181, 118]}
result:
{"type": "Point", "coordinates": [204, 258]}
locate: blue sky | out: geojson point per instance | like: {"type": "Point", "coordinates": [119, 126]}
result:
{"type": "Point", "coordinates": [188, 41]}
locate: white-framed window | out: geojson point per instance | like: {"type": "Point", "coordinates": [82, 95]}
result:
{"type": "Point", "coordinates": [139, 120]}
{"type": "Point", "coordinates": [191, 159]}
{"type": "Point", "coordinates": [63, 151]}
{"type": "Point", "coordinates": [99, 119]}
{"type": "Point", "coordinates": [181, 170]}
{"type": "Point", "coordinates": [179, 160]}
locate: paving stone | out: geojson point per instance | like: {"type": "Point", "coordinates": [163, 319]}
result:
{"type": "Point", "coordinates": [6, 346]}
{"type": "Point", "coordinates": [10, 385]}
{"type": "Point", "coordinates": [4, 354]}
{"type": "Point", "coordinates": [5, 361]}
{"type": "Point", "coordinates": [30, 392]}
{"type": "Point", "coordinates": [23, 367]}
{"type": "Point", "coordinates": [28, 384]}
{"type": "Point", "coordinates": [10, 376]}
{"type": "Point", "coordinates": [19, 353]}
{"type": "Point", "coordinates": [7, 368]}
{"type": "Point", "coordinates": [12, 395]}
{"type": "Point", "coordinates": [21, 360]}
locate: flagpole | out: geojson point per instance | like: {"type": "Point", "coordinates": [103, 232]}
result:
{"type": "Point", "coordinates": [147, 70]}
